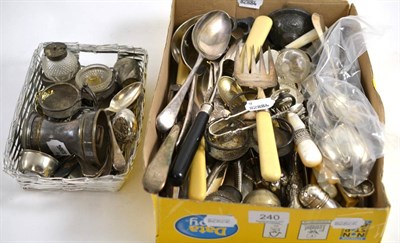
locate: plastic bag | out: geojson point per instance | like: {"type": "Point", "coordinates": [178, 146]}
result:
{"type": "Point", "coordinates": [342, 121]}
{"type": "Point", "coordinates": [344, 42]}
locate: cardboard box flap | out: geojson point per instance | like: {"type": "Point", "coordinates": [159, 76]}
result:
{"type": "Point", "coordinates": [367, 78]}
{"type": "Point", "coordinates": [335, 10]}
{"type": "Point", "coordinates": [151, 139]}
{"type": "Point", "coordinates": [379, 199]}
{"type": "Point", "coordinates": [332, 10]}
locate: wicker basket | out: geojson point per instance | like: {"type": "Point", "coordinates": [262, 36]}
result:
{"type": "Point", "coordinates": [33, 83]}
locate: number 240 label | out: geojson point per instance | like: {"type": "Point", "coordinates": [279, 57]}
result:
{"type": "Point", "coordinates": [268, 217]}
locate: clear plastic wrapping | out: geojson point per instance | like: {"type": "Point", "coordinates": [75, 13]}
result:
{"type": "Point", "coordinates": [342, 121]}
{"type": "Point", "coordinates": [337, 56]}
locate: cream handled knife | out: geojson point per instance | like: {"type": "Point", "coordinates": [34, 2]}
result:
{"type": "Point", "coordinates": [197, 174]}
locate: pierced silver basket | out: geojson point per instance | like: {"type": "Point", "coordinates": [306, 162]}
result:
{"type": "Point", "coordinates": [33, 83]}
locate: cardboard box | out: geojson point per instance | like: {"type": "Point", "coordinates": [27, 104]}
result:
{"type": "Point", "coordinates": [182, 220]}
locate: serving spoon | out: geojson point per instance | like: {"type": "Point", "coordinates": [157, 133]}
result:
{"type": "Point", "coordinates": [123, 99]}
{"type": "Point", "coordinates": [210, 36]}
{"type": "Point", "coordinates": [217, 25]}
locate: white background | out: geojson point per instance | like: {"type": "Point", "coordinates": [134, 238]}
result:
{"type": "Point", "coordinates": [127, 216]}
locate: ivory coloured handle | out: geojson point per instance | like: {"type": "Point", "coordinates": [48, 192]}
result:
{"type": "Point", "coordinates": [198, 177]}
{"type": "Point", "coordinates": [269, 160]}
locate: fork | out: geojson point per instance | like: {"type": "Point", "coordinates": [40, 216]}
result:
{"type": "Point", "coordinates": [248, 73]}
{"type": "Point", "coordinates": [257, 77]}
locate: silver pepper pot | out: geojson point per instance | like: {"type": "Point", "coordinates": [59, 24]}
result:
{"type": "Point", "coordinates": [312, 196]}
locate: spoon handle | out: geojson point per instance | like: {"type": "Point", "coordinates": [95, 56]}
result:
{"type": "Point", "coordinates": [303, 40]}
{"type": "Point", "coordinates": [156, 172]}
{"type": "Point", "coordinates": [189, 146]}
{"type": "Point", "coordinates": [166, 118]}
{"type": "Point", "coordinates": [319, 26]}
{"type": "Point", "coordinates": [119, 159]}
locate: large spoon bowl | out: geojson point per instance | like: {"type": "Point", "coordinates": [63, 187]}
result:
{"type": "Point", "coordinates": [211, 35]}
{"type": "Point", "coordinates": [125, 97]}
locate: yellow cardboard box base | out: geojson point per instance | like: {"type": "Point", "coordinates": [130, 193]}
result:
{"type": "Point", "coordinates": [194, 221]}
